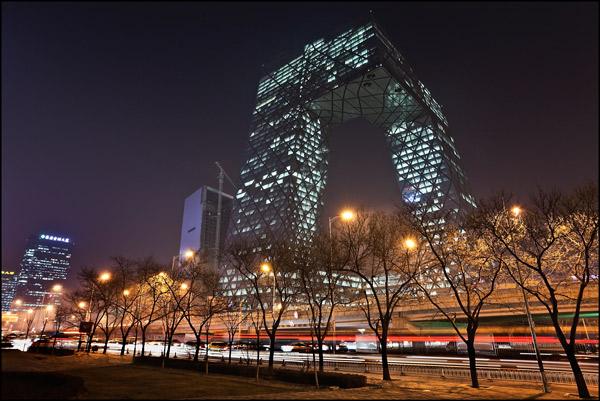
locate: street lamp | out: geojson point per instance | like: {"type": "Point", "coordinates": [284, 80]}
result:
{"type": "Point", "coordinates": [88, 316]}
{"type": "Point", "coordinates": [188, 254]}
{"type": "Point", "coordinates": [345, 215]}
{"type": "Point", "coordinates": [516, 212]}
{"type": "Point", "coordinates": [267, 268]}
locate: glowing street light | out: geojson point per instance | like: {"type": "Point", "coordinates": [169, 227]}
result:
{"type": "Point", "coordinates": [104, 277]}
{"type": "Point", "coordinates": [516, 212]}
{"type": "Point", "coordinates": [265, 267]}
{"type": "Point", "coordinates": [346, 215]}
{"type": "Point", "coordinates": [410, 244]}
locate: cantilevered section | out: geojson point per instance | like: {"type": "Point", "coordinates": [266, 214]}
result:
{"type": "Point", "coordinates": [357, 73]}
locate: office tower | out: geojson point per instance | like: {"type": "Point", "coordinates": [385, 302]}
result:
{"type": "Point", "coordinates": [200, 216]}
{"type": "Point", "coordinates": [45, 264]}
{"type": "Point", "coordinates": [9, 284]}
{"type": "Point", "coordinates": [357, 72]}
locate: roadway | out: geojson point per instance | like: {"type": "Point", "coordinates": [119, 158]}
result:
{"type": "Point", "coordinates": [588, 363]}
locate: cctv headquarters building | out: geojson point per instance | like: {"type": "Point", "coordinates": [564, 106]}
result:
{"type": "Point", "coordinates": [356, 72]}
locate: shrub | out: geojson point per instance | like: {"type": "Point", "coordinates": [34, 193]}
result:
{"type": "Point", "coordinates": [342, 380]}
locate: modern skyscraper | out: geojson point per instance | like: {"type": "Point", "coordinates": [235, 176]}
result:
{"type": "Point", "coordinates": [355, 73]}
{"type": "Point", "coordinates": [200, 216]}
{"type": "Point", "coordinates": [9, 285]}
{"type": "Point", "coordinates": [45, 264]}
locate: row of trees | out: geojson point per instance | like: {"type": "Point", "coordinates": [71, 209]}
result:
{"type": "Point", "coordinates": [374, 262]}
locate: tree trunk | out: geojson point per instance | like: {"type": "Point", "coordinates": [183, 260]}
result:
{"type": "Point", "coordinates": [257, 354]}
{"type": "Point", "coordinates": [383, 343]}
{"type": "Point", "coordinates": [582, 388]}
{"type": "Point", "coordinates": [384, 359]}
{"type": "Point", "coordinates": [272, 349]}
{"type": "Point", "coordinates": [472, 362]}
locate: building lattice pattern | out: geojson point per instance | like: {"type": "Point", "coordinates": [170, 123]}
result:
{"type": "Point", "coordinates": [356, 73]}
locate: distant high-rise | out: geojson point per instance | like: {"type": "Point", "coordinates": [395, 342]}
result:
{"type": "Point", "coordinates": [9, 285]}
{"type": "Point", "coordinates": [45, 264]}
{"type": "Point", "coordinates": [357, 72]}
{"type": "Point", "coordinates": [199, 228]}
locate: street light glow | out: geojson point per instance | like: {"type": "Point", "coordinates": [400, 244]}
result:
{"type": "Point", "coordinates": [105, 277]}
{"type": "Point", "coordinates": [49, 307]}
{"type": "Point", "coordinates": [265, 267]}
{"type": "Point", "coordinates": [516, 210]}
{"type": "Point", "coordinates": [347, 215]}
{"type": "Point", "coordinates": [410, 243]}
{"type": "Point", "coordinates": [184, 286]}
{"type": "Point", "coordinates": [126, 292]}
{"type": "Point", "coordinates": [81, 304]}
{"type": "Point", "coordinates": [189, 254]}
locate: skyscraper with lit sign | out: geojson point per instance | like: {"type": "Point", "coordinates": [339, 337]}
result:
{"type": "Point", "coordinates": [356, 72]}
{"type": "Point", "coordinates": [45, 263]}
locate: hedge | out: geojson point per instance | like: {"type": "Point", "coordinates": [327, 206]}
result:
{"type": "Point", "coordinates": [40, 386]}
{"type": "Point", "coordinates": [342, 380]}
{"type": "Point", "coordinates": [48, 351]}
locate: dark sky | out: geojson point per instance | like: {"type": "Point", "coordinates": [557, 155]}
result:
{"type": "Point", "coordinates": [113, 113]}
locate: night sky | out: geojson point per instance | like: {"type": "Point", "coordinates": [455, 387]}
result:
{"type": "Point", "coordinates": [113, 113]}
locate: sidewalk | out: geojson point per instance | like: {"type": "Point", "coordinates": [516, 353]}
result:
{"type": "Point", "coordinates": [112, 377]}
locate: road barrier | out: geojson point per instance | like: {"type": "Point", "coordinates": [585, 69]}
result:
{"type": "Point", "coordinates": [489, 374]}
{"type": "Point", "coordinates": [427, 370]}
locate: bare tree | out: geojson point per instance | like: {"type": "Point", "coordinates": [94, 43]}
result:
{"type": "Point", "coordinates": [552, 245]}
{"type": "Point", "coordinates": [375, 252]}
{"type": "Point", "coordinates": [151, 293]}
{"type": "Point", "coordinates": [460, 273]}
{"type": "Point", "coordinates": [203, 298]}
{"type": "Point", "coordinates": [126, 296]}
{"type": "Point", "coordinates": [232, 318]}
{"type": "Point", "coordinates": [323, 284]}
{"type": "Point", "coordinates": [255, 321]}
{"type": "Point", "coordinates": [30, 317]}
{"type": "Point", "coordinates": [275, 287]}
{"type": "Point", "coordinates": [60, 317]}
{"type": "Point", "coordinates": [88, 282]}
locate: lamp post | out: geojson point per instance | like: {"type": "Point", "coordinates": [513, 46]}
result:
{"type": "Point", "coordinates": [346, 215]}
{"type": "Point", "coordinates": [517, 211]}
{"type": "Point", "coordinates": [266, 268]}
{"type": "Point", "coordinates": [88, 316]}
{"type": "Point", "coordinates": [29, 318]}
{"type": "Point", "coordinates": [55, 288]}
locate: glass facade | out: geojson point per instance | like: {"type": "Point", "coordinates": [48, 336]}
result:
{"type": "Point", "coordinates": [9, 285]}
{"type": "Point", "coordinates": [45, 264]}
{"type": "Point", "coordinates": [356, 73]}
{"type": "Point", "coordinates": [200, 213]}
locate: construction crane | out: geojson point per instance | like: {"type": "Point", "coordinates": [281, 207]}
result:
{"type": "Point", "coordinates": [222, 174]}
